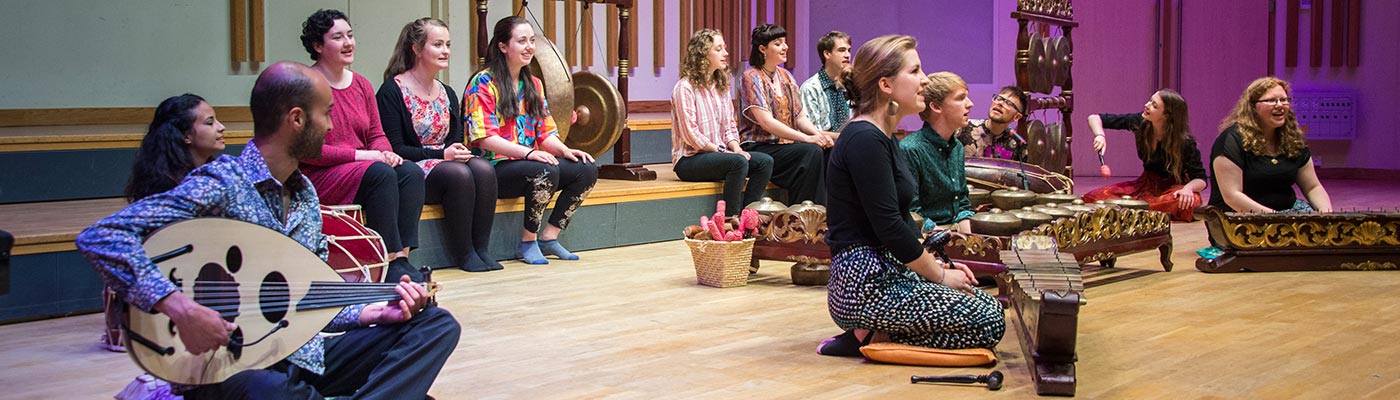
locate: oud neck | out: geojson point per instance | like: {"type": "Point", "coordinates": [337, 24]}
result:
{"type": "Point", "coordinates": [341, 294]}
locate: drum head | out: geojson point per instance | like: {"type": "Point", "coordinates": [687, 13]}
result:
{"type": "Point", "coordinates": [600, 114]}
{"type": "Point", "coordinates": [549, 66]}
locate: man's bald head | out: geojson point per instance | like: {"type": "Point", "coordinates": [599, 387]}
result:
{"type": "Point", "coordinates": [280, 88]}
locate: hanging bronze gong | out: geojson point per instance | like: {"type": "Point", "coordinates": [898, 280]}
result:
{"type": "Point", "coordinates": [600, 114]}
{"type": "Point", "coordinates": [1055, 148]}
{"type": "Point", "coordinates": [1036, 54]}
{"type": "Point", "coordinates": [549, 66]}
{"type": "Point", "coordinates": [1035, 139]}
{"type": "Point", "coordinates": [1052, 59]}
{"type": "Point", "coordinates": [1062, 60]}
{"type": "Point", "coordinates": [1047, 65]}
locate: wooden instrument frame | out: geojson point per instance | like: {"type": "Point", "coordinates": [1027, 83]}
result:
{"type": "Point", "coordinates": [1057, 13]}
{"type": "Point", "coordinates": [1302, 241]}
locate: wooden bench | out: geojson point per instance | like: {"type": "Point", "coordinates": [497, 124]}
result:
{"type": "Point", "coordinates": [46, 227]}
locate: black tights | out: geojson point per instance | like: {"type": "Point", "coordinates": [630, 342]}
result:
{"type": "Point", "coordinates": [467, 192]}
{"type": "Point", "coordinates": [392, 198]}
{"type": "Point", "coordinates": [537, 181]}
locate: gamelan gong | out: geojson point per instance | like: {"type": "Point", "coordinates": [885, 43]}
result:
{"type": "Point", "coordinates": [587, 107]}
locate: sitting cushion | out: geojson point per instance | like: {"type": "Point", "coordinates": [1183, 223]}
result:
{"type": "Point", "coordinates": [896, 353]}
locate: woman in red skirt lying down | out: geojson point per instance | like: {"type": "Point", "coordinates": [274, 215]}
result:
{"type": "Point", "coordinates": [1172, 175]}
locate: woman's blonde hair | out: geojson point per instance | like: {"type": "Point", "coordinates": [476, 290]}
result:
{"type": "Point", "coordinates": [879, 58]}
{"type": "Point", "coordinates": [940, 85]}
{"type": "Point", "coordinates": [695, 66]}
{"type": "Point", "coordinates": [1290, 138]}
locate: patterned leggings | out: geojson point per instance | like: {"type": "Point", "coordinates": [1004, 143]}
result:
{"type": "Point", "coordinates": [870, 289]}
{"type": "Point", "coordinates": [537, 182]}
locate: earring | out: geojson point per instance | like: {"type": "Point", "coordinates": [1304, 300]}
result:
{"type": "Point", "coordinates": [893, 108]}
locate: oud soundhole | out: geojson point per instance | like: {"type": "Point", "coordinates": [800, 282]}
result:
{"type": "Point", "coordinates": [234, 259]}
{"type": "Point", "coordinates": [274, 297]}
{"type": "Point", "coordinates": [215, 288]}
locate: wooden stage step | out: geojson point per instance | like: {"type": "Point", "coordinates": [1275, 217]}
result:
{"type": "Point", "coordinates": [47, 227]}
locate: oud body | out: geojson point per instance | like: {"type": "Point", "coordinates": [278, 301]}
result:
{"type": "Point", "coordinates": [278, 293]}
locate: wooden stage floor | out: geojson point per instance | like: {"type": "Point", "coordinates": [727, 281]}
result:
{"type": "Point", "coordinates": [631, 323]}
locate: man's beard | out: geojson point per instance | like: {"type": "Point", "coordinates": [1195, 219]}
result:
{"type": "Point", "coordinates": [307, 145]}
{"type": "Point", "coordinates": [999, 120]}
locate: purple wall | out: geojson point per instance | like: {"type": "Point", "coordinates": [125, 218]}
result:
{"type": "Point", "coordinates": [973, 39]}
{"type": "Point", "coordinates": [1224, 47]}
{"type": "Point", "coordinates": [1376, 81]}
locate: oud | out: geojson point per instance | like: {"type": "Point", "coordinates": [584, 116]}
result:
{"type": "Point", "coordinates": [280, 295]}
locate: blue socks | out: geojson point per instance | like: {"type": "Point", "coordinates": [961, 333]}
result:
{"type": "Point", "coordinates": [534, 252]}
{"type": "Point", "coordinates": [552, 247]}
{"type": "Point", "coordinates": [529, 252]}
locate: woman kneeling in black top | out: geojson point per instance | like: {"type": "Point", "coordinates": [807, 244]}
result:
{"type": "Point", "coordinates": [884, 285]}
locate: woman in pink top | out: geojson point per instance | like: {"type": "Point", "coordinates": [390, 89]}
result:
{"type": "Point", "coordinates": [705, 137]}
{"type": "Point", "coordinates": [357, 164]}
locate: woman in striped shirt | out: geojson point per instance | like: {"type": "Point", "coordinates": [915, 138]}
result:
{"type": "Point", "coordinates": [704, 134]}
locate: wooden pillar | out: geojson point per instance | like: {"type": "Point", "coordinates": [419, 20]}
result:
{"type": "Point", "coordinates": [481, 38]}
{"type": "Point", "coordinates": [622, 167]}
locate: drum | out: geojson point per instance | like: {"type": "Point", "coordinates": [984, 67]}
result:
{"type": "Point", "coordinates": [995, 174]}
{"type": "Point", "coordinates": [355, 252]}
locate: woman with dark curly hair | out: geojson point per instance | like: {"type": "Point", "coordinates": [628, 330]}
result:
{"type": "Point", "coordinates": [357, 163]}
{"type": "Point", "coordinates": [705, 140]}
{"type": "Point", "coordinates": [1261, 154]}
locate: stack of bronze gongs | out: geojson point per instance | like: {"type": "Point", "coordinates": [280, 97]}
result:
{"type": "Point", "coordinates": [1043, 64]}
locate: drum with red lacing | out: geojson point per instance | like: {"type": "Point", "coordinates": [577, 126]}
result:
{"type": "Point", "coordinates": [356, 252]}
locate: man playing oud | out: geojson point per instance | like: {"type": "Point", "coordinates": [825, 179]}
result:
{"type": "Point", "coordinates": [387, 351]}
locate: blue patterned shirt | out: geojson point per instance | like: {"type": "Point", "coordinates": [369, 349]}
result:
{"type": "Point", "coordinates": [824, 102]}
{"type": "Point", "coordinates": [239, 188]}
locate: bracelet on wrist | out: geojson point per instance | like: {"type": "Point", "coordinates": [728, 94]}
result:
{"type": "Point", "coordinates": [528, 153]}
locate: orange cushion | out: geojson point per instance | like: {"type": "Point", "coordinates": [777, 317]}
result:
{"type": "Point", "coordinates": [896, 353]}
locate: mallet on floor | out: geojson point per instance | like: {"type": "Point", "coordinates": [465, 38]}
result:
{"type": "Point", "coordinates": [993, 380]}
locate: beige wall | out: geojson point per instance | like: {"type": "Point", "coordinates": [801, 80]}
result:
{"type": "Point", "coordinates": [134, 53]}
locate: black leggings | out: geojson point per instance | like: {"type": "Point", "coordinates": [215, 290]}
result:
{"type": "Point", "coordinates": [467, 192]}
{"type": "Point", "coordinates": [537, 181]}
{"type": "Point", "coordinates": [734, 170]}
{"type": "Point", "coordinates": [392, 198]}
{"type": "Point", "coordinates": [798, 167]}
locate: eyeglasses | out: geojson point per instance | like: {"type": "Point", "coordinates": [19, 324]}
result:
{"type": "Point", "coordinates": [1281, 101]}
{"type": "Point", "coordinates": [1004, 100]}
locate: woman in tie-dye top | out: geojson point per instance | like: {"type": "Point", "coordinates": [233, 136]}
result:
{"type": "Point", "coordinates": [520, 139]}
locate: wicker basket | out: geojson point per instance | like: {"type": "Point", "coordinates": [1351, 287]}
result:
{"type": "Point", "coordinates": [721, 264]}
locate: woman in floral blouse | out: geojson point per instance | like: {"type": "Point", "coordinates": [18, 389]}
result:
{"type": "Point", "coordinates": [423, 121]}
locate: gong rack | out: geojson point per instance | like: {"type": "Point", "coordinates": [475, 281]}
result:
{"type": "Point", "coordinates": [599, 119]}
{"type": "Point", "coordinates": [1042, 63]}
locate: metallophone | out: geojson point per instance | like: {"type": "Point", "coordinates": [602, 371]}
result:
{"type": "Point", "coordinates": [1099, 236]}
{"type": "Point", "coordinates": [1046, 292]}
{"type": "Point", "coordinates": [1334, 241]}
